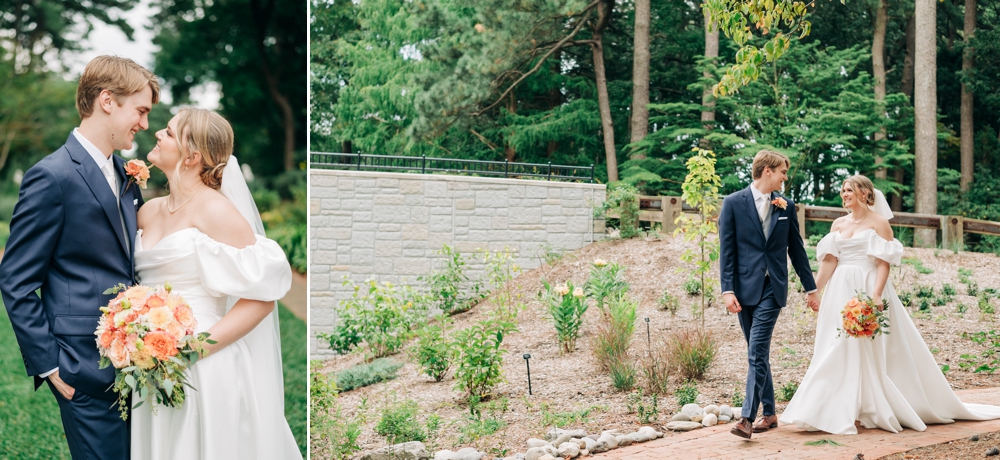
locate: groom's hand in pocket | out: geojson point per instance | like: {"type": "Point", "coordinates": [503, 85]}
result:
{"type": "Point", "coordinates": [732, 304]}
{"type": "Point", "coordinates": [64, 389]}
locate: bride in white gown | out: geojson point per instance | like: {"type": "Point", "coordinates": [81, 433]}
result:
{"type": "Point", "coordinates": [892, 381]}
{"type": "Point", "coordinates": [206, 239]}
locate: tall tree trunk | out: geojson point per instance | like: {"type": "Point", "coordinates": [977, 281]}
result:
{"type": "Point", "coordinates": [897, 199]}
{"type": "Point", "coordinates": [925, 116]}
{"type": "Point", "coordinates": [640, 75]}
{"type": "Point", "coordinates": [878, 68]}
{"type": "Point", "coordinates": [907, 81]}
{"type": "Point", "coordinates": [968, 62]}
{"type": "Point", "coordinates": [604, 104]}
{"type": "Point", "coordinates": [262, 15]}
{"type": "Point", "coordinates": [711, 52]}
{"type": "Point", "coordinates": [508, 150]}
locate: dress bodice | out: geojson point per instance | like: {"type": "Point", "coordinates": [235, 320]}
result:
{"type": "Point", "coordinates": [861, 249]}
{"type": "Point", "coordinates": [206, 272]}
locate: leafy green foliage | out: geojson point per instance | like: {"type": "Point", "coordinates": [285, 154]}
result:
{"type": "Point", "coordinates": [332, 434]}
{"type": "Point", "coordinates": [563, 419]}
{"type": "Point", "coordinates": [701, 190]}
{"type": "Point", "coordinates": [362, 375]}
{"type": "Point", "coordinates": [480, 358]}
{"type": "Point", "coordinates": [623, 374]}
{"type": "Point", "coordinates": [449, 285]}
{"type": "Point", "coordinates": [787, 391]}
{"type": "Point", "coordinates": [647, 410]}
{"type": "Point", "coordinates": [399, 423]}
{"type": "Point", "coordinates": [692, 286]}
{"type": "Point", "coordinates": [479, 425]}
{"type": "Point", "coordinates": [918, 265]}
{"type": "Point", "coordinates": [433, 352]}
{"type": "Point", "coordinates": [989, 360]}
{"type": "Point", "coordinates": [566, 305]}
{"type": "Point", "coordinates": [736, 400]}
{"type": "Point", "coordinates": [669, 302]}
{"type": "Point", "coordinates": [500, 270]}
{"type": "Point", "coordinates": [614, 333]}
{"type": "Point", "coordinates": [605, 281]}
{"type": "Point", "coordinates": [687, 394]}
{"type": "Point", "coordinates": [947, 290]}
{"type": "Point", "coordinates": [623, 199]}
{"type": "Point", "coordinates": [692, 351]}
{"type": "Point", "coordinates": [380, 316]}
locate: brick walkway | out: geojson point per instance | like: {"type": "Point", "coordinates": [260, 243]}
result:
{"type": "Point", "coordinates": [788, 442]}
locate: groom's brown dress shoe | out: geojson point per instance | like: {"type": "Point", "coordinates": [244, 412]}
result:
{"type": "Point", "coordinates": [743, 428]}
{"type": "Point", "coordinates": [765, 422]}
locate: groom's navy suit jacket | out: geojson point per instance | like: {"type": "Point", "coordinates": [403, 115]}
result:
{"type": "Point", "coordinates": [745, 256]}
{"type": "Point", "coordinates": [66, 240]}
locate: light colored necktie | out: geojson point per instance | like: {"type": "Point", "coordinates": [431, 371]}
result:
{"type": "Point", "coordinates": [766, 219]}
{"type": "Point", "coordinates": [109, 173]}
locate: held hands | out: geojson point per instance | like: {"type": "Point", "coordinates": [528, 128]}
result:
{"type": "Point", "coordinates": [732, 304]}
{"type": "Point", "coordinates": [812, 299]}
{"type": "Point", "coordinates": [65, 390]}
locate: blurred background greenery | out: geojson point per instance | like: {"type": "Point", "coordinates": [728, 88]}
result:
{"type": "Point", "coordinates": [244, 58]}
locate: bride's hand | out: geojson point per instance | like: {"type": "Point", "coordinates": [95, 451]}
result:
{"type": "Point", "coordinates": [879, 304]}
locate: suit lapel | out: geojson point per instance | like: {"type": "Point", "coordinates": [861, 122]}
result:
{"type": "Point", "coordinates": [751, 210]}
{"type": "Point", "coordinates": [775, 212]}
{"type": "Point", "coordinates": [128, 207]}
{"type": "Point", "coordinates": [94, 178]}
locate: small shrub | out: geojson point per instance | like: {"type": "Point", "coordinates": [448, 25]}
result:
{"type": "Point", "coordinates": [480, 357]}
{"type": "Point", "coordinates": [399, 423]}
{"type": "Point", "coordinates": [736, 400]}
{"type": "Point", "coordinates": [787, 391]}
{"type": "Point", "coordinates": [500, 270]}
{"type": "Point", "coordinates": [692, 351]}
{"type": "Point", "coordinates": [692, 286]}
{"type": "Point", "coordinates": [446, 286]}
{"type": "Point", "coordinates": [647, 410]}
{"type": "Point", "coordinates": [562, 419]}
{"type": "Point", "coordinates": [549, 254]}
{"type": "Point", "coordinates": [625, 199]}
{"type": "Point", "coordinates": [972, 289]}
{"type": "Point", "coordinates": [623, 375]}
{"type": "Point", "coordinates": [925, 292]}
{"type": "Point", "coordinates": [985, 307]}
{"type": "Point", "coordinates": [379, 315]}
{"type": "Point", "coordinates": [687, 394]}
{"type": "Point", "coordinates": [331, 433]}
{"type": "Point", "coordinates": [942, 300]}
{"type": "Point", "coordinates": [906, 298]}
{"type": "Point", "coordinates": [962, 308]}
{"type": "Point", "coordinates": [433, 352]}
{"type": "Point", "coordinates": [478, 425]}
{"type": "Point", "coordinates": [566, 305]}
{"type": "Point", "coordinates": [669, 302]}
{"type": "Point", "coordinates": [947, 290]}
{"type": "Point", "coordinates": [918, 265]}
{"type": "Point", "coordinates": [964, 271]}
{"type": "Point", "coordinates": [362, 375]}
{"type": "Point", "coordinates": [605, 281]}
{"type": "Point", "coordinates": [656, 368]}
{"type": "Point", "coordinates": [614, 334]}
{"type": "Point", "coordinates": [924, 304]}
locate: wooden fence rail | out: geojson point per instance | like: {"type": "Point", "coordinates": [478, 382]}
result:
{"type": "Point", "coordinates": [666, 209]}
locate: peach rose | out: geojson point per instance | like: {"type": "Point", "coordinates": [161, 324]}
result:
{"type": "Point", "coordinates": [184, 315]}
{"type": "Point", "coordinates": [137, 294]}
{"type": "Point", "coordinates": [175, 329]}
{"type": "Point", "coordinates": [160, 317]}
{"type": "Point", "coordinates": [138, 171]}
{"type": "Point", "coordinates": [162, 345]}
{"type": "Point", "coordinates": [853, 302]}
{"type": "Point", "coordinates": [118, 353]}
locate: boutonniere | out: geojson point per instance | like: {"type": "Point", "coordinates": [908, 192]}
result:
{"type": "Point", "coordinates": [779, 202]}
{"type": "Point", "coordinates": [138, 173]}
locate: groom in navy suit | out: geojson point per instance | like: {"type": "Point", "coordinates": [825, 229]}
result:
{"type": "Point", "coordinates": [758, 232]}
{"type": "Point", "coordinates": [72, 237]}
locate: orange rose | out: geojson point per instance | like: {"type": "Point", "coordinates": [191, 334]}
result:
{"type": "Point", "coordinates": [853, 302]}
{"type": "Point", "coordinates": [138, 171]}
{"type": "Point", "coordinates": [118, 353]}
{"type": "Point", "coordinates": [161, 344]}
{"type": "Point", "coordinates": [175, 329]}
{"type": "Point", "coordinates": [184, 315]}
{"type": "Point", "coordinates": [154, 301]}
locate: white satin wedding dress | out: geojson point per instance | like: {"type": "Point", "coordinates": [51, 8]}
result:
{"type": "Point", "coordinates": [889, 382]}
{"type": "Point", "coordinates": [236, 410]}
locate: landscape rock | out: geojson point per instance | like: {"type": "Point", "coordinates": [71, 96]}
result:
{"type": "Point", "coordinates": [565, 437]}
{"type": "Point", "coordinates": [692, 409]}
{"type": "Point", "coordinates": [593, 436]}
{"type": "Point", "coordinates": [623, 440]}
{"type": "Point", "coordinates": [569, 450]}
{"type": "Point", "coordinates": [726, 410]}
{"type": "Point", "coordinates": [712, 409]}
{"type": "Point", "coordinates": [555, 433]}
{"type": "Point", "coordinates": [413, 450]}
{"type": "Point", "coordinates": [680, 418]}
{"type": "Point", "coordinates": [697, 418]}
{"type": "Point", "coordinates": [468, 453]}
{"type": "Point", "coordinates": [443, 455]}
{"type": "Point", "coordinates": [710, 420]}
{"type": "Point", "coordinates": [638, 437]}
{"type": "Point", "coordinates": [611, 432]}
{"type": "Point", "coordinates": [589, 444]}
{"type": "Point", "coordinates": [546, 457]}
{"type": "Point", "coordinates": [517, 456]}
{"type": "Point", "coordinates": [605, 442]}
{"type": "Point", "coordinates": [683, 426]}
{"type": "Point", "coordinates": [724, 419]}
{"type": "Point", "coordinates": [650, 432]}
{"type": "Point", "coordinates": [535, 442]}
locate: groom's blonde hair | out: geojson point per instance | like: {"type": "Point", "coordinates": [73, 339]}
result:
{"type": "Point", "coordinates": [120, 76]}
{"type": "Point", "coordinates": [768, 159]}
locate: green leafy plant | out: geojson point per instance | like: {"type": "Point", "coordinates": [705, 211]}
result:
{"type": "Point", "coordinates": [688, 394]}
{"type": "Point", "coordinates": [823, 442]}
{"type": "Point", "coordinates": [606, 280]}
{"type": "Point", "coordinates": [736, 400]}
{"type": "Point", "coordinates": [562, 419]}
{"type": "Point", "coordinates": [614, 333]}
{"type": "Point", "coordinates": [447, 285]}
{"type": "Point", "coordinates": [624, 198]}
{"type": "Point", "coordinates": [500, 270]}
{"type": "Point", "coordinates": [646, 409]}
{"type": "Point", "coordinates": [918, 265]}
{"type": "Point", "coordinates": [433, 352]}
{"type": "Point", "coordinates": [379, 316]}
{"type": "Point", "coordinates": [947, 290]}
{"type": "Point", "coordinates": [985, 307]}
{"type": "Point", "coordinates": [332, 434]}
{"type": "Point", "coordinates": [989, 360]}
{"type": "Point", "coordinates": [566, 305]}
{"type": "Point", "coordinates": [692, 351]}
{"type": "Point", "coordinates": [925, 292]}
{"type": "Point", "coordinates": [924, 305]}
{"type": "Point", "coordinates": [962, 271]}
{"type": "Point", "coordinates": [480, 358]}
{"type": "Point", "coordinates": [701, 191]}
{"type": "Point", "coordinates": [623, 374]}
{"type": "Point", "coordinates": [478, 424]}
{"type": "Point", "coordinates": [787, 391]}
{"type": "Point", "coordinates": [692, 286]}
{"type": "Point", "coordinates": [399, 423]}
{"type": "Point", "coordinates": [669, 302]}
{"type": "Point", "coordinates": [972, 289]}
{"type": "Point", "coordinates": [362, 375]}
{"type": "Point", "coordinates": [906, 298]}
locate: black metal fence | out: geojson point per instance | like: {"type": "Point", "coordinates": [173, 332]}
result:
{"type": "Point", "coordinates": [428, 165]}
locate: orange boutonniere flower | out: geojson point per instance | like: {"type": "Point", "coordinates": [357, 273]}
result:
{"type": "Point", "coordinates": [138, 173]}
{"type": "Point", "coordinates": [780, 202]}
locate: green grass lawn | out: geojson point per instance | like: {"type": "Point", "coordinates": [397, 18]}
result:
{"type": "Point", "coordinates": [29, 421]}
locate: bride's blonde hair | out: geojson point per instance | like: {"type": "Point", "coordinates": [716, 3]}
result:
{"type": "Point", "coordinates": [863, 188]}
{"type": "Point", "coordinates": [210, 134]}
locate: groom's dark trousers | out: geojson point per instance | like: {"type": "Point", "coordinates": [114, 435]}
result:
{"type": "Point", "coordinates": [71, 239]}
{"type": "Point", "coordinates": [755, 269]}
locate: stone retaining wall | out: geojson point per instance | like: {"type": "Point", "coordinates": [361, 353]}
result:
{"type": "Point", "coordinates": [390, 226]}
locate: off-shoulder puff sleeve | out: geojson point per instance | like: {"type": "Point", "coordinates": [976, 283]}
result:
{"type": "Point", "coordinates": [889, 251]}
{"type": "Point", "coordinates": [828, 245]}
{"type": "Point", "coordinates": [259, 272]}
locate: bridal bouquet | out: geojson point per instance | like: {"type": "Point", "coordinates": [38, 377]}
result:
{"type": "Point", "coordinates": [148, 335]}
{"type": "Point", "coordinates": [863, 319]}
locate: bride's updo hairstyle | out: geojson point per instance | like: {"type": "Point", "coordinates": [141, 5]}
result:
{"type": "Point", "coordinates": [863, 188]}
{"type": "Point", "coordinates": [210, 134]}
